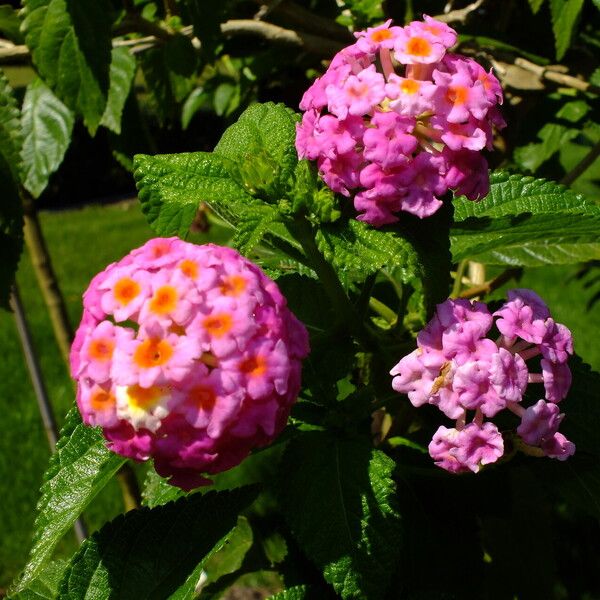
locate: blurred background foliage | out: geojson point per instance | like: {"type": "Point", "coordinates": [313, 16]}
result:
{"type": "Point", "coordinates": [173, 74]}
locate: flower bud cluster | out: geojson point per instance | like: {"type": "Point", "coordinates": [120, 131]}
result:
{"type": "Point", "coordinates": [461, 371]}
{"type": "Point", "coordinates": [189, 355]}
{"type": "Point", "coordinates": [396, 120]}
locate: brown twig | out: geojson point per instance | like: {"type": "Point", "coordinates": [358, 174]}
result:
{"type": "Point", "coordinates": [491, 285]}
{"type": "Point", "coordinates": [556, 74]}
{"type": "Point", "coordinates": [460, 15]}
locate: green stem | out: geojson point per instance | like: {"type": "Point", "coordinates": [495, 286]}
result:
{"type": "Point", "coordinates": [383, 310]}
{"type": "Point", "coordinates": [460, 271]}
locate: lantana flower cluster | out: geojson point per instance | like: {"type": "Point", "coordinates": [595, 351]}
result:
{"type": "Point", "coordinates": [397, 121]}
{"type": "Point", "coordinates": [187, 354]}
{"type": "Point", "coordinates": [471, 377]}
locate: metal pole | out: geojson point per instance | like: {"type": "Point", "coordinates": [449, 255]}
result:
{"type": "Point", "coordinates": [41, 394]}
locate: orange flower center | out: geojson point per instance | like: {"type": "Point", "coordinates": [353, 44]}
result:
{"type": "Point", "coordinates": [101, 400]}
{"type": "Point", "coordinates": [160, 249]}
{"type": "Point", "coordinates": [218, 325]}
{"type": "Point", "coordinates": [101, 349]}
{"type": "Point", "coordinates": [152, 352]}
{"type": "Point", "coordinates": [233, 285]}
{"type": "Point", "coordinates": [358, 91]}
{"type": "Point", "coordinates": [144, 398]}
{"type": "Point", "coordinates": [126, 289]}
{"type": "Point", "coordinates": [203, 396]}
{"type": "Point", "coordinates": [457, 94]}
{"type": "Point", "coordinates": [164, 300]}
{"type": "Point", "coordinates": [189, 268]}
{"type": "Point", "coordinates": [410, 86]}
{"type": "Point", "coordinates": [253, 366]}
{"type": "Point", "coordinates": [381, 35]}
{"type": "Point", "coordinates": [418, 46]}
{"type": "Point", "coordinates": [177, 329]}
{"type": "Point", "coordinates": [434, 29]}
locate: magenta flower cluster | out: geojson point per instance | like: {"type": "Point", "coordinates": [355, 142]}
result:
{"type": "Point", "coordinates": [400, 137]}
{"type": "Point", "coordinates": [461, 371]}
{"type": "Point", "coordinates": [188, 355]}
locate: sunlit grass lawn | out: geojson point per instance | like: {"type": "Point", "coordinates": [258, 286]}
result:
{"type": "Point", "coordinates": [81, 243]}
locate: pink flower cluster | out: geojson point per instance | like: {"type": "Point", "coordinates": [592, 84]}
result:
{"type": "Point", "coordinates": [189, 355]}
{"type": "Point", "coordinates": [458, 369]}
{"type": "Point", "coordinates": [399, 138]}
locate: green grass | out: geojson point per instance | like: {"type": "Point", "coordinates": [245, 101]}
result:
{"type": "Point", "coordinates": [81, 243]}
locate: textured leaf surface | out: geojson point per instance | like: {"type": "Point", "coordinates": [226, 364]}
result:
{"type": "Point", "coordinates": [356, 250]}
{"type": "Point", "coordinates": [80, 467]}
{"type": "Point", "coordinates": [122, 70]}
{"type": "Point", "coordinates": [262, 139]}
{"type": "Point", "coordinates": [70, 42]}
{"type": "Point", "coordinates": [252, 227]}
{"type": "Point", "coordinates": [354, 536]}
{"type": "Point", "coordinates": [517, 194]}
{"type": "Point", "coordinates": [172, 186]}
{"type": "Point", "coordinates": [150, 553]}
{"type": "Point", "coordinates": [298, 592]}
{"type": "Point", "coordinates": [564, 16]}
{"type": "Point", "coordinates": [529, 240]}
{"type": "Point", "coordinates": [157, 491]}
{"type": "Point", "coordinates": [47, 128]}
{"type": "Point", "coordinates": [45, 586]}
{"type": "Point", "coordinates": [10, 128]}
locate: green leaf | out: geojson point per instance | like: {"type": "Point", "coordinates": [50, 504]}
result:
{"type": "Point", "coordinates": [10, 24]}
{"type": "Point", "coordinates": [526, 221]}
{"type": "Point", "coordinates": [298, 592]}
{"type": "Point", "coordinates": [172, 186]}
{"type": "Point", "coordinates": [535, 5]}
{"type": "Point", "coordinates": [253, 226]}
{"type": "Point", "coordinates": [11, 230]}
{"type": "Point", "coordinates": [158, 491]}
{"type": "Point", "coordinates": [70, 43]}
{"type": "Point", "coordinates": [262, 144]}
{"type": "Point", "coordinates": [150, 553]}
{"type": "Point", "coordinates": [564, 17]}
{"type": "Point", "coordinates": [194, 102]}
{"type": "Point", "coordinates": [45, 586]}
{"type": "Point", "coordinates": [554, 137]}
{"type": "Point", "coordinates": [122, 70]}
{"type": "Point", "coordinates": [355, 536]}
{"type": "Point", "coordinates": [11, 139]}
{"type": "Point", "coordinates": [528, 240]}
{"type": "Point", "coordinates": [517, 194]}
{"type": "Point", "coordinates": [47, 128]}
{"type": "Point", "coordinates": [80, 467]}
{"type": "Point", "coordinates": [356, 250]}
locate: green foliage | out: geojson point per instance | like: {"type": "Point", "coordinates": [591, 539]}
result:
{"type": "Point", "coordinates": [47, 127]}
{"type": "Point", "coordinates": [11, 215]}
{"type": "Point", "coordinates": [70, 42]}
{"type": "Point", "coordinates": [564, 18]}
{"type": "Point", "coordinates": [298, 592]}
{"type": "Point", "coordinates": [536, 5]}
{"type": "Point", "coordinates": [172, 186]}
{"type": "Point", "coordinates": [254, 224]}
{"type": "Point", "coordinates": [173, 538]}
{"type": "Point", "coordinates": [122, 71]}
{"type": "Point", "coordinates": [45, 585]}
{"type": "Point", "coordinates": [261, 144]}
{"type": "Point", "coordinates": [357, 250]}
{"type": "Point", "coordinates": [157, 491]}
{"type": "Point", "coordinates": [10, 24]}
{"type": "Point", "coordinates": [80, 467]}
{"type": "Point", "coordinates": [359, 527]}
{"type": "Point", "coordinates": [525, 221]}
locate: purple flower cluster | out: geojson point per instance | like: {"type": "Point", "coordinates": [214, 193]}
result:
{"type": "Point", "coordinates": [400, 141]}
{"type": "Point", "coordinates": [458, 369]}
